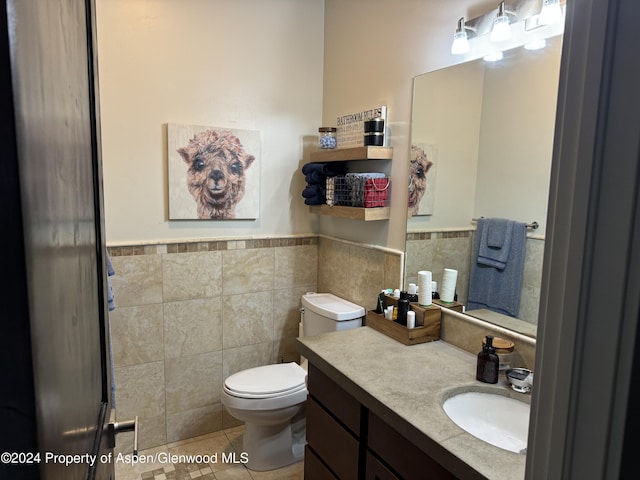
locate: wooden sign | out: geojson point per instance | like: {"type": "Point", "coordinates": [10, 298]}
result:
{"type": "Point", "coordinates": [351, 127]}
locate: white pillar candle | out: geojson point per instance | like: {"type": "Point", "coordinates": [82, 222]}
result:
{"type": "Point", "coordinates": [424, 288]}
{"type": "Point", "coordinates": [448, 289]}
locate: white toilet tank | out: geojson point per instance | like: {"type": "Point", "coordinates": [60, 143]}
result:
{"type": "Point", "coordinates": [324, 312]}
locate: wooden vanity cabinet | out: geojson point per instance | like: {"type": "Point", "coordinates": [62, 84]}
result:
{"type": "Point", "coordinates": [333, 429]}
{"type": "Point", "coordinates": [346, 441]}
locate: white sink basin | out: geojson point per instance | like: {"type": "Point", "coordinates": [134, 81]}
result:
{"type": "Point", "coordinates": [496, 419]}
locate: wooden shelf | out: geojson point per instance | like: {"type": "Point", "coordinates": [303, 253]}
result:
{"type": "Point", "coordinates": [346, 155]}
{"type": "Point", "coordinates": [352, 213]}
{"type": "Point", "coordinates": [355, 153]}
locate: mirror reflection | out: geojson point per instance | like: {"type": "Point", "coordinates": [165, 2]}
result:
{"type": "Point", "coordinates": [486, 129]}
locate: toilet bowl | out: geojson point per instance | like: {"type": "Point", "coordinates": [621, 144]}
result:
{"type": "Point", "coordinates": [270, 399]}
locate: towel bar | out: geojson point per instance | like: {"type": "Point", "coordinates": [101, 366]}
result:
{"type": "Point", "coordinates": [533, 225]}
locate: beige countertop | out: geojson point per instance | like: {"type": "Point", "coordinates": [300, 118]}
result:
{"type": "Point", "coordinates": [406, 386]}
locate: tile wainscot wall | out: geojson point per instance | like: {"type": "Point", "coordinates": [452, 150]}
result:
{"type": "Point", "coordinates": [189, 314]}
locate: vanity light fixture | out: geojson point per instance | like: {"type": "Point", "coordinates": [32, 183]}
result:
{"type": "Point", "coordinates": [460, 43]}
{"type": "Point", "coordinates": [501, 29]}
{"type": "Point", "coordinates": [551, 12]}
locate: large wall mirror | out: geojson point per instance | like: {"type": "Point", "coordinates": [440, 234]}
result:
{"type": "Point", "coordinates": [488, 129]}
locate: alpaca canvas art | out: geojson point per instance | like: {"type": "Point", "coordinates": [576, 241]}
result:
{"type": "Point", "coordinates": [422, 179]}
{"type": "Point", "coordinates": [213, 173]}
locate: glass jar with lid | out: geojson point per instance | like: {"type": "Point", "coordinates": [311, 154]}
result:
{"type": "Point", "coordinates": [504, 349]}
{"type": "Point", "coordinates": [328, 137]}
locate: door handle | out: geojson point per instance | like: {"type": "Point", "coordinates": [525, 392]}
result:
{"type": "Point", "coordinates": [125, 426]}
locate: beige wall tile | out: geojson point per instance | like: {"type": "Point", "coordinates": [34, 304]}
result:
{"type": "Point", "coordinates": [140, 390]}
{"type": "Point", "coordinates": [393, 270]}
{"type": "Point", "coordinates": [187, 276]}
{"type": "Point", "coordinates": [152, 433]}
{"type": "Point", "coordinates": [246, 271]}
{"type": "Point", "coordinates": [241, 358]}
{"type": "Point", "coordinates": [333, 259]}
{"type": "Point", "coordinates": [247, 319]}
{"type": "Point", "coordinates": [138, 280]}
{"type": "Point", "coordinates": [419, 257]}
{"type": "Point", "coordinates": [534, 255]}
{"type": "Point", "coordinates": [286, 311]}
{"type": "Point", "coordinates": [192, 423]}
{"type": "Point", "coordinates": [136, 334]}
{"type": "Point", "coordinates": [194, 381]}
{"type": "Point", "coordinates": [192, 326]}
{"type": "Point", "coordinates": [295, 266]}
{"type": "Point", "coordinates": [366, 269]}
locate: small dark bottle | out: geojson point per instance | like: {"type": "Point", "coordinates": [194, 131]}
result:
{"type": "Point", "coordinates": [403, 308]}
{"type": "Point", "coordinates": [435, 295]}
{"type": "Point", "coordinates": [488, 362]}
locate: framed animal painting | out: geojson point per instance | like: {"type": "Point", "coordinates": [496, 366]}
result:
{"type": "Point", "coordinates": [214, 173]}
{"type": "Point", "coordinates": [422, 179]}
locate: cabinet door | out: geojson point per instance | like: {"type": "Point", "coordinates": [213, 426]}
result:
{"type": "Point", "coordinates": [314, 469]}
{"type": "Point", "coordinates": [333, 398]}
{"type": "Point", "coordinates": [402, 455]}
{"type": "Point", "coordinates": [377, 470]}
{"type": "Point", "coordinates": [331, 442]}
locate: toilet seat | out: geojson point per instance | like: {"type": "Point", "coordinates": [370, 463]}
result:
{"type": "Point", "coordinates": [267, 381]}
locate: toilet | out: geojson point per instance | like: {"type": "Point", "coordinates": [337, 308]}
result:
{"type": "Point", "coordinates": [270, 399]}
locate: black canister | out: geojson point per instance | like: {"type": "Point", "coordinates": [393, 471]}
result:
{"type": "Point", "coordinates": [374, 139]}
{"type": "Point", "coordinates": [403, 308]}
{"type": "Point", "coordinates": [375, 125]}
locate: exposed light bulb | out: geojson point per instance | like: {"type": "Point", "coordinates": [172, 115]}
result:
{"type": "Point", "coordinates": [460, 43]}
{"type": "Point", "coordinates": [501, 30]}
{"type": "Point", "coordinates": [535, 44]}
{"type": "Point", "coordinates": [551, 12]}
{"type": "Point", "coordinates": [493, 57]}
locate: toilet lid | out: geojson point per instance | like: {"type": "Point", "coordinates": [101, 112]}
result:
{"type": "Point", "coordinates": [267, 380]}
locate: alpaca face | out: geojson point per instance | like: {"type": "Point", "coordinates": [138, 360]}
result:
{"type": "Point", "coordinates": [216, 163]}
{"type": "Point", "coordinates": [418, 168]}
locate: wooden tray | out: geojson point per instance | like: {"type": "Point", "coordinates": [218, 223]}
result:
{"type": "Point", "coordinates": [427, 326]}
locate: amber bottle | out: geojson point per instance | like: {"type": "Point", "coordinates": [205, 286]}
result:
{"type": "Point", "coordinates": [488, 362]}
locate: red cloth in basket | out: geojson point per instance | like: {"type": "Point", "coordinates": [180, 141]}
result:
{"type": "Point", "coordinates": [376, 192]}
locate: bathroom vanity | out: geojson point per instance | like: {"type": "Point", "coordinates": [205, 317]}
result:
{"type": "Point", "coordinates": [374, 411]}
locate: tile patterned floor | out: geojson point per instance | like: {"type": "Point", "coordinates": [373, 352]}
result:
{"type": "Point", "coordinates": [208, 457]}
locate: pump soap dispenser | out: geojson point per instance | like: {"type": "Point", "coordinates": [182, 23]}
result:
{"type": "Point", "coordinates": [488, 362]}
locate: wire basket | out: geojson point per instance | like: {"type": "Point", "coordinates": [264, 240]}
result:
{"type": "Point", "coordinates": [358, 190]}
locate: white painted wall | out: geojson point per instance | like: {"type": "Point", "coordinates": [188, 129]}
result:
{"type": "Point", "coordinates": [246, 64]}
{"type": "Point", "coordinates": [283, 67]}
{"type": "Point", "coordinates": [373, 50]}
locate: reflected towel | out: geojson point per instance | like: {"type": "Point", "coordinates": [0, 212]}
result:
{"type": "Point", "coordinates": [495, 241]}
{"type": "Point", "coordinates": [499, 289]}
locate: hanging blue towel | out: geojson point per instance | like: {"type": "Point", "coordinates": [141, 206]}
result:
{"type": "Point", "coordinates": [499, 289]}
{"type": "Point", "coordinates": [110, 297]}
{"type": "Point", "coordinates": [495, 241]}
{"type": "Point", "coordinates": [110, 272]}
